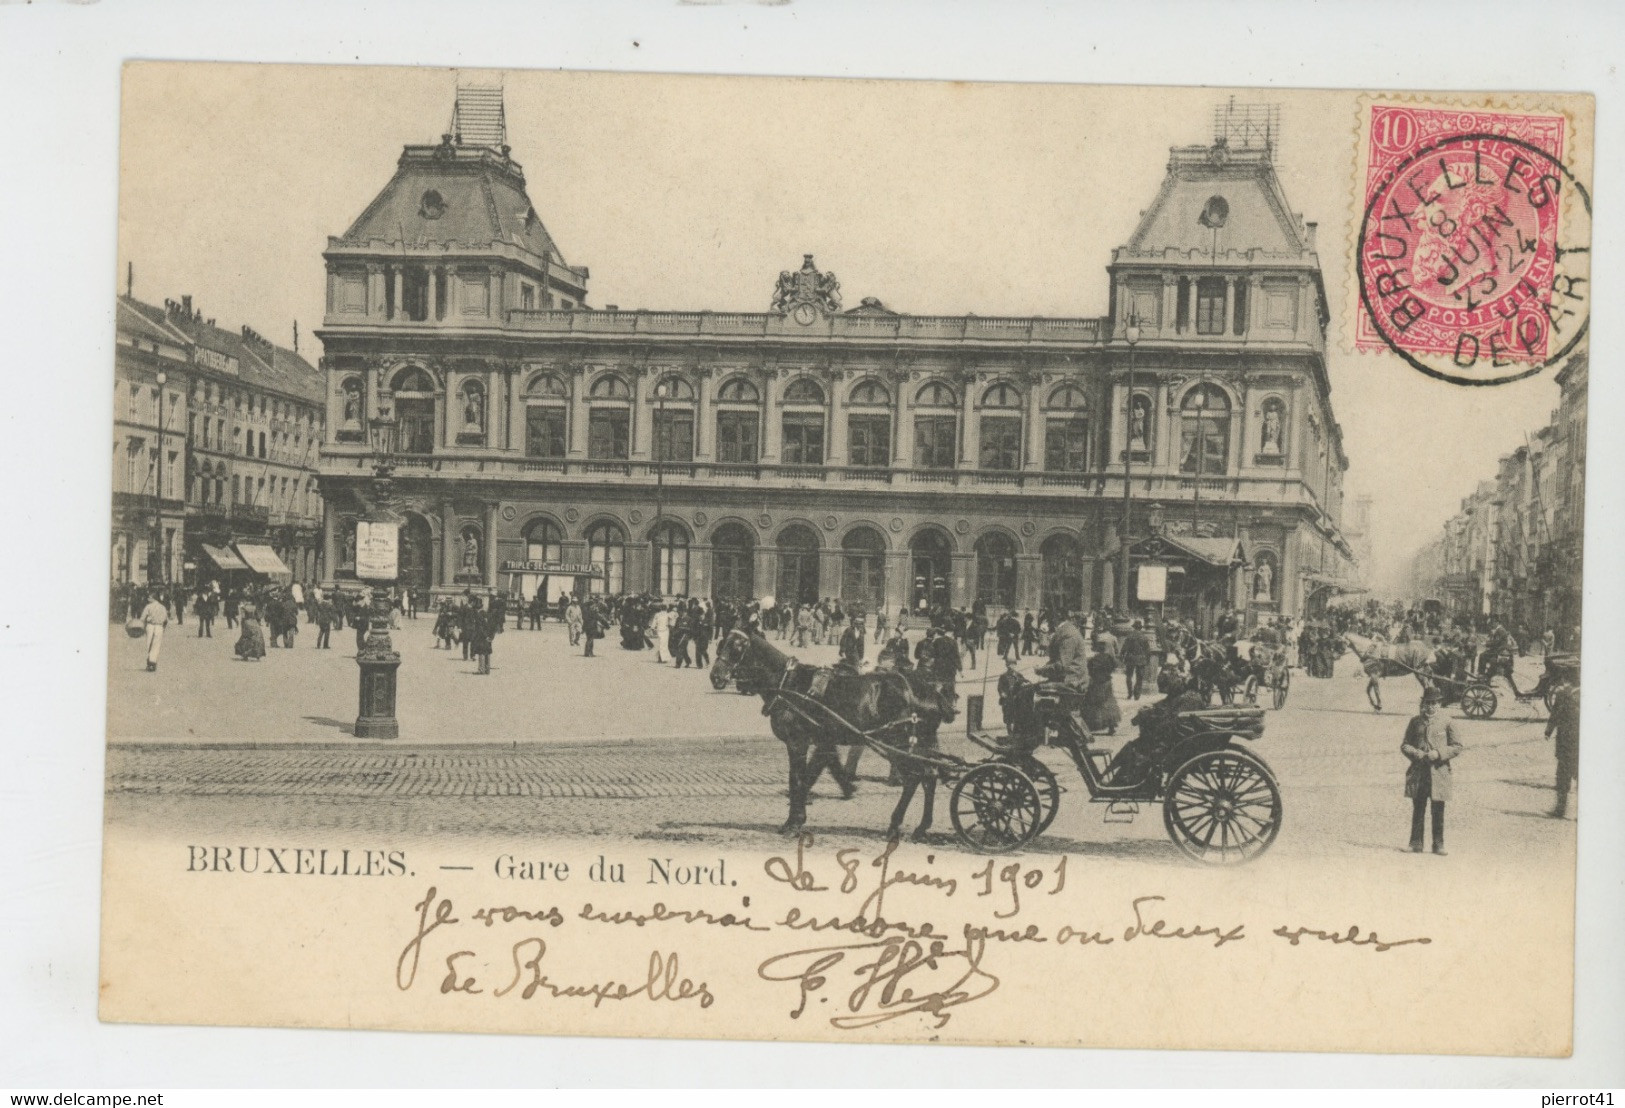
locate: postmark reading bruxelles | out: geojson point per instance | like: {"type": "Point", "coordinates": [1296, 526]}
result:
{"type": "Point", "coordinates": [1474, 249]}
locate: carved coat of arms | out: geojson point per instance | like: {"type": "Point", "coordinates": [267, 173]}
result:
{"type": "Point", "coordinates": [807, 286]}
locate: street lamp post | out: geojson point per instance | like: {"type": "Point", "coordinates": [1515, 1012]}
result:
{"type": "Point", "coordinates": [656, 583]}
{"type": "Point", "coordinates": [156, 562]}
{"type": "Point", "coordinates": [1131, 334]}
{"type": "Point", "coordinates": [378, 562]}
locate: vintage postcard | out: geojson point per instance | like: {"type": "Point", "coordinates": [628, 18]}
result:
{"type": "Point", "coordinates": [857, 561]}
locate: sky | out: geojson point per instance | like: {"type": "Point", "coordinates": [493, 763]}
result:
{"type": "Point", "coordinates": [686, 193]}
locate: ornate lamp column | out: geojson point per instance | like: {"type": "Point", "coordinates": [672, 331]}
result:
{"type": "Point", "coordinates": [1131, 334]}
{"type": "Point", "coordinates": [377, 560]}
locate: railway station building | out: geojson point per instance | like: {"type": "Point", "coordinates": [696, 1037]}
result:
{"type": "Point", "coordinates": [816, 448]}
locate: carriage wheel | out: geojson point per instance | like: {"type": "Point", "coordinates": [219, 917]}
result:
{"type": "Point", "coordinates": [1049, 789]}
{"type": "Point", "coordinates": [1478, 701]}
{"type": "Point", "coordinates": [996, 807]}
{"type": "Point", "coordinates": [1283, 683]}
{"type": "Point", "coordinates": [1223, 807]}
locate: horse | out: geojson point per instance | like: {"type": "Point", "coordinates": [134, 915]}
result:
{"type": "Point", "coordinates": [1380, 659]}
{"type": "Point", "coordinates": [867, 701]}
{"type": "Point", "coordinates": [1213, 670]}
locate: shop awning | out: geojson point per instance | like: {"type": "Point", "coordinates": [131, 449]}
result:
{"type": "Point", "coordinates": [1214, 551]}
{"type": "Point", "coordinates": [1336, 584]}
{"type": "Point", "coordinates": [224, 559]}
{"type": "Point", "coordinates": [262, 559]}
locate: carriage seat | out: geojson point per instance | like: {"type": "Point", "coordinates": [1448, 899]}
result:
{"type": "Point", "coordinates": [1248, 721]}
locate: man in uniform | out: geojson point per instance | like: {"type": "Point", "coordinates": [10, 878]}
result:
{"type": "Point", "coordinates": [154, 618]}
{"type": "Point", "coordinates": [1136, 655]}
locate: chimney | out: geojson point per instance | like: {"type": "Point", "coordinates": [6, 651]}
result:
{"type": "Point", "coordinates": [1310, 227]}
{"type": "Point", "coordinates": [186, 305]}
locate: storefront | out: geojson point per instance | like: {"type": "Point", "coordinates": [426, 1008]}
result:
{"type": "Point", "coordinates": [550, 580]}
{"type": "Point", "coordinates": [1186, 577]}
{"type": "Point", "coordinates": [263, 560]}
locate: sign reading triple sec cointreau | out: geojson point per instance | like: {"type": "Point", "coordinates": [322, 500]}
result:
{"type": "Point", "coordinates": [377, 551]}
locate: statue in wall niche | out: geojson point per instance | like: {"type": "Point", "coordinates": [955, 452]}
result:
{"type": "Point", "coordinates": [473, 409]}
{"type": "Point", "coordinates": [349, 544]}
{"type": "Point", "coordinates": [1139, 422]}
{"type": "Point", "coordinates": [471, 552]}
{"type": "Point", "coordinates": [1264, 580]}
{"type": "Point", "coordinates": [352, 404]}
{"type": "Point", "coordinates": [1272, 429]}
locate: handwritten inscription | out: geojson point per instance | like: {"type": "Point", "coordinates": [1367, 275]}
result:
{"type": "Point", "coordinates": [875, 937]}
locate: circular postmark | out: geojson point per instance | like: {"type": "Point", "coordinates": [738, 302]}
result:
{"type": "Point", "coordinates": [1474, 259]}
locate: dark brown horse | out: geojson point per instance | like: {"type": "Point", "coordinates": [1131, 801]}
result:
{"type": "Point", "coordinates": [898, 702]}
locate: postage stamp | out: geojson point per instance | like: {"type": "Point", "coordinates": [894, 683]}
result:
{"type": "Point", "coordinates": [1473, 247]}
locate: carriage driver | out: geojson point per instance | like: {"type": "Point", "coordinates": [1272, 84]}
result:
{"type": "Point", "coordinates": [1069, 666]}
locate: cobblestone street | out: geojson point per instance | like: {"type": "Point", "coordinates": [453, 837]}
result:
{"type": "Point", "coordinates": [671, 759]}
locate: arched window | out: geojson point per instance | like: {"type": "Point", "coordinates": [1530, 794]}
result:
{"type": "Point", "coordinates": [674, 420]}
{"type": "Point", "coordinates": [414, 393]}
{"type": "Point", "coordinates": [471, 412]}
{"type": "Point", "coordinates": [1066, 431]}
{"type": "Point", "coordinates": [803, 390]}
{"type": "Point", "coordinates": [868, 430]}
{"type": "Point", "coordinates": [544, 542]}
{"type": "Point", "coordinates": [738, 390]}
{"type": "Point", "coordinates": [863, 570]}
{"type": "Point", "coordinates": [996, 570]}
{"type": "Point", "coordinates": [606, 550]}
{"type": "Point", "coordinates": [733, 563]}
{"type": "Point", "coordinates": [610, 387]}
{"type": "Point", "coordinates": [931, 558]}
{"type": "Point", "coordinates": [871, 393]}
{"type": "Point", "coordinates": [1062, 576]}
{"type": "Point", "coordinates": [798, 565]}
{"type": "Point", "coordinates": [671, 559]}
{"type": "Point", "coordinates": [546, 417]}
{"type": "Point", "coordinates": [609, 420]}
{"type": "Point", "coordinates": [803, 424]}
{"type": "Point", "coordinates": [1204, 433]}
{"type": "Point", "coordinates": [936, 426]}
{"type": "Point", "coordinates": [739, 422]}
{"type": "Point", "coordinates": [1001, 428]}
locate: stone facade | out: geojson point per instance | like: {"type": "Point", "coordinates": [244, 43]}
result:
{"type": "Point", "coordinates": [886, 458]}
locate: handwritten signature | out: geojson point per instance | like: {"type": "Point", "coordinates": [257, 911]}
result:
{"type": "Point", "coordinates": [890, 978]}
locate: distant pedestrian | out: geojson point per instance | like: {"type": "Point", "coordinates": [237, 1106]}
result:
{"type": "Point", "coordinates": [703, 630]}
{"type": "Point", "coordinates": [154, 618]}
{"type": "Point", "coordinates": [573, 621]}
{"type": "Point", "coordinates": [250, 636]}
{"type": "Point", "coordinates": [1135, 656]}
{"type": "Point", "coordinates": [324, 623]}
{"type": "Point", "coordinates": [1431, 745]}
{"type": "Point", "coordinates": [1564, 724]}
{"type": "Point", "coordinates": [206, 606]}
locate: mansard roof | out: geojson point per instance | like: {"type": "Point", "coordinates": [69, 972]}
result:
{"type": "Point", "coordinates": [260, 363]}
{"type": "Point", "coordinates": [472, 196]}
{"type": "Point", "coordinates": [1258, 225]}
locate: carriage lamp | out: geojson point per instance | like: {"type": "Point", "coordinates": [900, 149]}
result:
{"type": "Point", "coordinates": [377, 562]}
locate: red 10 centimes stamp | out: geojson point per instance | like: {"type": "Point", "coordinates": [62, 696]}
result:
{"type": "Point", "coordinates": [1474, 253]}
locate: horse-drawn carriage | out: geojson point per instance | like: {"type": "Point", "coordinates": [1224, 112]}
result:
{"type": "Point", "coordinates": [1220, 802]}
{"type": "Point", "coordinates": [1478, 696]}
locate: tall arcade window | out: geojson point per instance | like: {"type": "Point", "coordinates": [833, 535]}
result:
{"type": "Point", "coordinates": [674, 420]}
{"type": "Point", "coordinates": [803, 425]}
{"type": "Point", "coordinates": [609, 423]}
{"type": "Point", "coordinates": [996, 570]}
{"type": "Point", "coordinates": [606, 549]}
{"type": "Point", "coordinates": [868, 429]}
{"type": "Point", "coordinates": [544, 542]}
{"type": "Point", "coordinates": [546, 417]}
{"type": "Point", "coordinates": [1001, 428]}
{"type": "Point", "coordinates": [414, 395]}
{"type": "Point", "coordinates": [739, 422]}
{"type": "Point", "coordinates": [1066, 431]}
{"type": "Point", "coordinates": [733, 563]}
{"type": "Point", "coordinates": [936, 426]}
{"type": "Point", "coordinates": [863, 570]}
{"type": "Point", "coordinates": [671, 560]}
{"type": "Point", "coordinates": [1204, 432]}
{"type": "Point", "coordinates": [1061, 575]}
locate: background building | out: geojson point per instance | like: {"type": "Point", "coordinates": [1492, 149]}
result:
{"type": "Point", "coordinates": [243, 421]}
{"type": "Point", "coordinates": [818, 450]}
{"type": "Point", "coordinates": [1513, 553]}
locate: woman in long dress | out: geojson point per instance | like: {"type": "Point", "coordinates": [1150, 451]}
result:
{"type": "Point", "coordinates": [251, 637]}
{"type": "Point", "coordinates": [1100, 712]}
